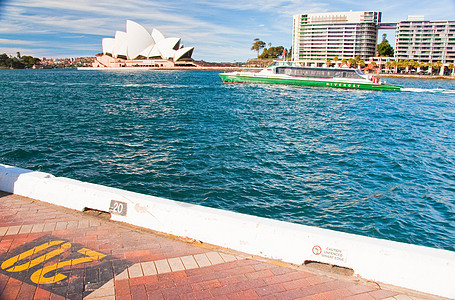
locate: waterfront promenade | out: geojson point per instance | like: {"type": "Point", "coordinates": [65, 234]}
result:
{"type": "Point", "coordinates": [50, 252]}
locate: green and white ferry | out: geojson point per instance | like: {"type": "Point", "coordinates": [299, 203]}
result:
{"type": "Point", "coordinates": [288, 72]}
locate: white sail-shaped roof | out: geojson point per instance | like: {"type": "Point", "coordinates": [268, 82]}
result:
{"type": "Point", "coordinates": [108, 45]}
{"type": "Point", "coordinates": [120, 45]}
{"type": "Point", "coordinates": [157, 35]}
{"type": "Point", "coordinates": [183, 52]}
{"type": "Point", "coordinates": [167, 47]}
{"type": "Point", "coordinates": [138, 39]}
{"type": "Point", "coordinates": [146, 51]}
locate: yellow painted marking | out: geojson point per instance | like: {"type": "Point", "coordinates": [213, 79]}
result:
{"type": "Point", "coordinates": [9, 262]}
{"type": "Point", "coordinates": [38, 277]}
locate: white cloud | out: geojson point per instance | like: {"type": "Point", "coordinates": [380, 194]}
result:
{"type": "Point", "coordinates": [209, 26]}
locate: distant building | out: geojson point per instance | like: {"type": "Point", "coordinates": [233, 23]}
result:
{"type": "Point", "coordinates": [138, 48]}
{"type": "Point", "coordinates": [425, 41]}
{"type": "Point", "coordinates": [321, 36]}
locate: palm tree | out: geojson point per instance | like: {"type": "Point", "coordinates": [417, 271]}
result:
{"type": "Point", "coordinates": [439, 65]}
{"type": "Point", "coordinates": [395, 65]}
{"type": "Point", "coordinates": [405, 64]}
{"type": "Point", "coordinates": [336, 59]}
{"type": "Point", "coordinates": [328, 62]}
{"type": "Point", "coordinates": [452, 67]}
{"type": "Point", "coordinates": [344, 61]}
{"type": "Point", "coordinates": [388, 65]}
{"type": "Point", "coordinates": [430, 67]}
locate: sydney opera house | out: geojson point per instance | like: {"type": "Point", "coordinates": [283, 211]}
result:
{"type": "Point", "coordinates": [138, 48]}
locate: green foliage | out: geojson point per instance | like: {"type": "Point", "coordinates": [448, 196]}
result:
{"type": "Point", "coordinates": [272, 52]}
{"type": "Point", "coordinates": [19, 62]}
{"type": "Point", "coordinates": [384, 48]}
{"type": "Point", "coordinates": [257, 45]}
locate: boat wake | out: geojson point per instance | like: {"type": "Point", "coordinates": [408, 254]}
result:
{"type": "Point", "coordinates": [419, 90]}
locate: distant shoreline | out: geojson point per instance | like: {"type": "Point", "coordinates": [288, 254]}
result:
{"type": "Point", "coordinates": [170, 69]}
{"type": "Point", "coordinates": [416, 76]}
{"type": "Point", "coordinates": [249, 69]}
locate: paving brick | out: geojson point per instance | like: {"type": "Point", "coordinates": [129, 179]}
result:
{"type": "Point", "coordinates": [61, 225]}
{"type": "Point", "coordinates": [138, 292]}
{"type": "Point", "coordinates": [158, 267]}
{"type": "Point", "coordinates": [13, 230]}
{"type": "Point", "coordinates": [206, 285]}
{"type": "Point", "coordinates": [12, 289]}
{"type": "Point", "coordinates": [355, 288]}
{"type": "Point", "coordinates": [202, 260]}
{"type": "Point", "coordinates": [176, 264]}
{"type": "Point", "coordinates": [3, 231]}
{"type": "Point", "coordinates": [49, 226]}
{"type": "Point", "coordinates": [176, 291]}
{"type": "Point", "coordinates": [26, 228]}
{"type": "Point", "coordinates": [27, 291]}
{"type": "Point", "coordinates": [37, 228]}
{"type": "Point", "coordinates": [122, 287]}
{"type": "Point", "coordinates": [243, 295]}
{"type": "Point", "coordinates": [314, 280]}
{"type": "Point", "coordinates": [381, 294]}
{"type": "Point", "coordinates": [215, 258]}
{"type": "Point", "coordinates": [259, 274]}
{"type": "Point", "coordinates": [232, 279]}
{"type": "Point", "coordinates": [196, 295]}
{"type": "Point", "coordinates": [148, 268]}
{"type": "Point", "coordinates": [189, 262]}
{"type": "Point", "coordinates": [138, 253]}
{"type": "Point", "coordinates": [363, 297]}
{"type": "Point", "coordinates": [41, 294]}
{"type": "Point", "coordinates": [337, 294]}
{"type": "Point", "coordinates": [135, 271]}
{"type": "Point", "coordinates": [162, 266]}
{"type": "Point", "coordinates": [83, 224]}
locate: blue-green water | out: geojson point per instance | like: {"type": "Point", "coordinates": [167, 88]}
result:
{"type": "Point", "coordinates": [380, 164]}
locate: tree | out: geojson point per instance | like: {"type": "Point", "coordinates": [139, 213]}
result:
{"type": "Point", "coordinates": [30, 61]}
{"type": "Point", "coordinates": [384, 48]}
{"type": "Point", "coordinates": [438, 65]}
{"type": "Point", "coordinates": [394, 65]}
{"type": "Point", "coordinates": [272, 52]}
{"type": "Point", "coordinates": [359, 61]}
{"type": "Point", "coordinates": [452, 67]}
{"type": "Point", "coordinates": [257, 45]}
{"type": "Point", "coordinates": [344, 61]}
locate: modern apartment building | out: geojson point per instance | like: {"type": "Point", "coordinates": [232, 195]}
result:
{"type": "Point", "coordinates": [321, 36]}
{"type": "Point", "coordinates": [425, 41]}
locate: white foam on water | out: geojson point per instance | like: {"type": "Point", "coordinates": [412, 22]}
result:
{"type": "Point", "coordinates": [420, 90]}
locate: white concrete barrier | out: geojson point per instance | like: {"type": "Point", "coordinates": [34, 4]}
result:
{"type": "Point", "coordinates": [415, 267]}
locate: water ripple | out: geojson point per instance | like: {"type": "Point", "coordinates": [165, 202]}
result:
{"type": "Point", "coordinates": [380, 164]}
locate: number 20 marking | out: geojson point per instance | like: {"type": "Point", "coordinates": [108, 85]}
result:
{"type": "Point", "coordinates": [39, 276]}
{"type": "Point", "coordinates": [118, 208]}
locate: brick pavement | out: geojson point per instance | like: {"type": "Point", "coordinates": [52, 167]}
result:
{"type": "Point", "coordinates": [49, 252]}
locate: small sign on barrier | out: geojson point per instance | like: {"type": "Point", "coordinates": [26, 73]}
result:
{"type": "Point", "coordinates": [118, 208]}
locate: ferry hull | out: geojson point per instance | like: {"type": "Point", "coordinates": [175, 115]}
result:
{"type": "Point", "coordinates": [236, 78]}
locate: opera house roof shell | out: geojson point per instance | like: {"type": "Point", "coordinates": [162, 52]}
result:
{"type": "Point", "coordinates": [137, 42]}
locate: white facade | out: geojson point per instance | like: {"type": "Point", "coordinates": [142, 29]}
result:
{"type": "Point", "coordinates": [322, 36]}
{"type": "Point", "coordinates": [137, 42]}
{"type": "Point", "coordinates": [425, 41]}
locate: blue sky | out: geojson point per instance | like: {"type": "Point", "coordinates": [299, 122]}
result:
{"type": "Point", "coordinates": [220, 30]}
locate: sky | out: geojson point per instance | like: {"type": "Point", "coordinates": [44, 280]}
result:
{"type": "Point", "coordinates": [219, 30]}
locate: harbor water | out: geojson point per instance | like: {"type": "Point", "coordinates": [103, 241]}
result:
{"type": "Point", "coordinates": [374, 163]}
